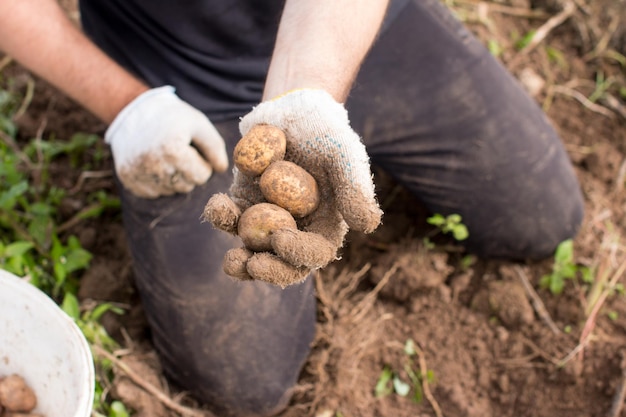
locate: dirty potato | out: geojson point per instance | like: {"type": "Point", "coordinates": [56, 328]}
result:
{"type": "Point", "coordinates": [290, 187]}
{"type": "Point", "coordinates": [16, 395]}
{"type": "Point", "coordinates": [258, 222]}
{"type": "Point", "coordinates": [261, 146]}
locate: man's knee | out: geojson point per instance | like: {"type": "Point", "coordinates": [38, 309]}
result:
{"type": "Point", "coordinates": [239, 349]}
{"type": "Point", "coordinates": [530, 235]}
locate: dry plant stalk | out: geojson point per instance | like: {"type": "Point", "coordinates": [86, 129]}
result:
{"type": "Point", "coordinates": [609, 272]}
{"type": "Point", "coordinates": [538, 305]}
{"type": "Point", "coordinates": [425, 385]}
{"type": "Point", "coordinates": [151, 389]}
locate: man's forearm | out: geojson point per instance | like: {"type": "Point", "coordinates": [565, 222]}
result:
{"type": "Point", "coordinates": [321, 44]}
{"type": "Point", "coordinates": [40, 37]}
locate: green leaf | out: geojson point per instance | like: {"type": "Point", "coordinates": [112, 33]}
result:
{"type": "Point", "coordinates": [494, 47]}
{"type": "Point", "coordinates": [118, 409]}
{"type": "Point", "coordinates": [460, 232]}
{"type": "Point", "coordinates": [409, 347]}
{"type": "Point", "coordinates": [568, 271]}
{"type": "Point", "coordinates": [71, 306]}
{"type": "Point", "coordinates": [9, 197]}
{"type": "Point", "coordinates": [586, 274]}
{"type": "Point", "coordinates": [525, 40]}
{"type": "Point", "coordinates": [564, 253]}
{"type": "Point", "coordinates": [556, 285]}
{"type": "Point", "coordinates": [400, 387]}
{"type": "Point", "coordinates": [436, 220]}
{"type": "Point", "coordinates": [17, 248]}
{"type": "Point", "coordinates": [382, 386]}
{"type": "Point", "coordinates": [454, 219]}
{"type": "Point", "coordinates": [556, 56]}
{"type": "Point", "coordinates": [76, 259]}
{"type": "Point", "coordinates": [430, 376]}
{"type": "Point", "coordinates": [97, 312]}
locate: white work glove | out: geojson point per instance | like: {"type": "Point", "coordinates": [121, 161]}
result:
{"type": "Point", "coordinates": [320, 140]}
{"type": "Point", "coordinates": [151, 140]}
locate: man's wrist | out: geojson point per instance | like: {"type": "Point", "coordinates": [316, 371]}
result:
{"type": "Point", "coordinates": [130, 107]}
{"type": "Point", "coordinates": [121, 100]}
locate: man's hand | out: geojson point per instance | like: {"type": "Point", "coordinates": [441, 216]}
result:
{"type": "Point", "coordinates": [162, 145]}
{"type": "Point", "coordinates": [320, 140]}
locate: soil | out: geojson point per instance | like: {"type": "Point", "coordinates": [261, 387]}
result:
{"type": "Point", "coordinates": [484, 346]}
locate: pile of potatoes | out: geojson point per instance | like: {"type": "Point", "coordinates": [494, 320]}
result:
{"type": "Point", "coordinates": [290, 191]}
{"type": "Point", "coordinates": [17, 399]}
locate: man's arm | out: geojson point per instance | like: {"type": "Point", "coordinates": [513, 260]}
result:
{"type": "Point", "coordinates": [151, 130]}
{"type": "Point", "coordinates": [321, 44]}
{"type": "Point", "coordinates": [39, 35]}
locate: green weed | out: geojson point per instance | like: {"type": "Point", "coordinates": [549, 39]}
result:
{"type": "Point", "coordinates": [34, 242]}
{"type": "Point", "coordinates": [523, 41]}
{"type": "Point", "coordinates": [405, 383]}
{"type": "Point", "coordinates": [450, 224]}
{"type": "Point", "coordinates": [563, 268]}
{"type": "Point", "coordinates": [494, 47]}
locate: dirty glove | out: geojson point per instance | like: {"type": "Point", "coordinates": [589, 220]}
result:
{"type": "Point", "coordinates": [151, 142]}
{"type": "Point", "coordinates": [320, 140]}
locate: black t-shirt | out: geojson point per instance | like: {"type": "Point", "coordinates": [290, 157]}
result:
{"type": "Point", "coordinates": [216, 53]}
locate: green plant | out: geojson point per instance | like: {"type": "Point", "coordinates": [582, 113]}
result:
{"type": "Point", "coordinates": [450, 224]}
{"type": "Point", "coordinates": [31, 243]}
{"type": "Point", "coordinates": [564, 268]}
{"type": "Point", "coordinates": [391, 381]}
{"type": "Point", "coordinates": [556, 56]}
{"type": "Point", "coordinates": [88, 320]}
{"type": "Point", "coordinates": [523, 41]}
{"type": "Point", "coordinates": [34, 242]}
{"type": "Point", "coordinates": [494, 47]}
{"type": "Point", "coordinates": [602, 86]}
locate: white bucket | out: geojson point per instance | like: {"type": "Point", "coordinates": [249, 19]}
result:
{"type": "Point", "coordinates": [42, 344]}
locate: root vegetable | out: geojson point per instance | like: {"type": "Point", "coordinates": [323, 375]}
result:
{"type": "Point", "coordinates": [261, 146]}
{"type": "Point", "coordinates": [290, 187]}
{"type": "Point", "coordinates": [16, 395]}
{"type": "Point", "coordinates": [258, 222]}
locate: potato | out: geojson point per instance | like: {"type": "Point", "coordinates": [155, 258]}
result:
{"type": "Point", "coordinates": [16, 395]}
{"type": "Point", "coordinates": [257, 223]}
{"type": "Point", "coordinates": [261, 146]}
{"type": "Point", "coordinates": [290, 187]}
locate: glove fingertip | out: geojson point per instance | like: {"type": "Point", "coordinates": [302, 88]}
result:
{"type": "Point", "coordinates": [235, 263]}
{"type": "Point", "coordinates": [361, 216]}
{"type": "Point", "coordinates": [222, 213]}
{"type": "Point", "coordinates": [221, 165]}
{"type": "Point", "coordinates": [219, 161]}
{"type": "Point", "coordinates": [304, 249]}
{"type": "Point", "coordinates": [267, 267]}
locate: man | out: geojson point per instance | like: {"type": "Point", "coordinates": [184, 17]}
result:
{"type": "Point", "coordinates": [429, 103]}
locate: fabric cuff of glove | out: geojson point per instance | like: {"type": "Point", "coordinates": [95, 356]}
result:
{"type": "Point", "coordinates": [133, 106]}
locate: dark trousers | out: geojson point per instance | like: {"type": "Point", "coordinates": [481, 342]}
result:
{"type": "Point", "coordinates": [442, 117]}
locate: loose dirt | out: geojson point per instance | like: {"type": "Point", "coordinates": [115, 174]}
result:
{"type": "Point", "coordinates": [484, 346]}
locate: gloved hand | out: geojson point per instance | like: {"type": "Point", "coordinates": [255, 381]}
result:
{"type": "Point", "coordinates": [320, 140]}
{"type": "Point", "coordinates": [151, 142]}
